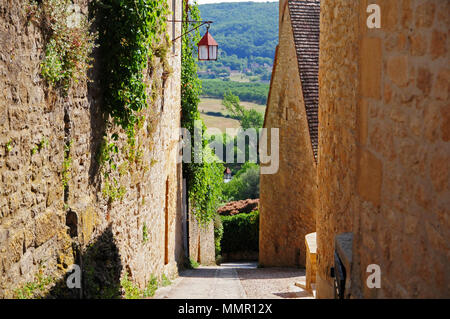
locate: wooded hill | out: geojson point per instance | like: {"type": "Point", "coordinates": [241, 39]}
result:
{"type": "Point", "coordinates": [247, 33]}
{"type": "Point", "coordinates": [244, 28]}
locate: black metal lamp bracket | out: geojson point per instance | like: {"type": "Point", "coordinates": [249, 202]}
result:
{"type": "Point", "coordinates": [202, 23]}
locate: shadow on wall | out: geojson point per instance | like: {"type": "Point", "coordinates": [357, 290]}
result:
{"type": "Point", "coordinates": [98, 116]}
{"type": "Point", "coordinates": [101, 269]}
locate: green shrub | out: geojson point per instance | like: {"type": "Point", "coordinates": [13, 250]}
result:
{"type": "Point", "coordinates": [190, 263]}
{"type": "Point", "coordinates": [132, 291]}
{"type": "Point", "coordinates": [240, 232]}
{"type": "Point", "coordinates": [165, 281]}
{"type": "Point", "coordinates": [151, 287]}
{"type": "Point", "coordinates": [219, 259]}
{"type": "Point", "coordinates": [194, 264]}
{"type": "Point", "coordinates": [34, 289]}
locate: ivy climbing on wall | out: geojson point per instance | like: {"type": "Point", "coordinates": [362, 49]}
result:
{"type": "Point", "coordinates": [132, 33]}
{"type": "Point", "coordinates": [204, 180]}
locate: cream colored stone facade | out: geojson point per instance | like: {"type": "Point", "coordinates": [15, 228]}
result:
{"type": "Point", "coordinates": [287, 198]}
{"type": "Point", "coordinates": [201, 242]}
{"type": "Point", "coordinates": [383, 155]}
{"type": "Point", "coordinates": [337, 161]}
{"type": "Point", "coordinates": [385, 178]}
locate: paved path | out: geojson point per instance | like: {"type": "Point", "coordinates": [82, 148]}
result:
{"type": "Point", "coordinates": [235, 281]}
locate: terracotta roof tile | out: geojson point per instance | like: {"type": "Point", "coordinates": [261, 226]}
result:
{"type": "Point", "coordinates": [305, 20]}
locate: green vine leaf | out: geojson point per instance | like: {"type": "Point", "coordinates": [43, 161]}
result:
{"type": "Point", "coordinates": [204, 180]}
{"type": "Point", "coordinates": [130, 33]}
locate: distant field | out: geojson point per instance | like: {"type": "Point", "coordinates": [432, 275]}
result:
{"type": "Point", "coordinates": [221, 122]}
{"type": "Point", "coordinates": [215, 105]}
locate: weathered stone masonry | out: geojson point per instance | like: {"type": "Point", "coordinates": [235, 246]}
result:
{"type": "Point", "coordinates": [33, 213]}
{"type": "Point", "coordinates": [383, 161]}
{"type": "Point", "coordinates": [289, 197]}
{"type": "Point", "coordinates": [384, 148]}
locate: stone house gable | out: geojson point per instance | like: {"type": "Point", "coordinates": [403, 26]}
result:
{"type": "Point", "coordinates": [288, 197]}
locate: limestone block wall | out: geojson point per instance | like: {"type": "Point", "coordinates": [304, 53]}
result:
{"type": "Point", "coordinates": [404, 152]}
{"type": "Point", "coordinates": [338, 89]}
{"type": "Point", "coordinates": [34, 212]}
{"type": "Point", "coordinates": [287, 198]}
{"type": "Point", "coordinates": [201, 242]}
{"type": "Point", "coordinates": [384, 146]}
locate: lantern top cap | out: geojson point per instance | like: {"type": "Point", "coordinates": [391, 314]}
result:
{"type": "Point", "coordinates": [207, 40]}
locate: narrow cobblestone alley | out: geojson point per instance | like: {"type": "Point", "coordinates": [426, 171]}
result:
{"type": "Point", "coordinates": [235, 281]}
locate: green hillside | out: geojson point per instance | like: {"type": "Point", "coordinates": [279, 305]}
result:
{"type": "Point", "coordinates": [247, 33]}
{"type": "Point", "coordinates": [244, 28]}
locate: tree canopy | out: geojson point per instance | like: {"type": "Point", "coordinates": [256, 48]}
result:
{"type": "Point", "coordinates": [244, 28]}
{"type": "Point", "coordinates": [247, 118]}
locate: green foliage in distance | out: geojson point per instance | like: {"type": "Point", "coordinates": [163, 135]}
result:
{"type": "Point", "coordinates": [204, 180]}
{"type": "Point", "coordinates": [244, 185]}
{"type": "Point", "coordinates": [68, 41]}
{"type": "Point", "coordinates": [240, 232]}
{"type": "Point", "coordinates": [247, 118]}
{"type": "Point", "coordinates": [247, 33]}
{"type": "Point", "coordinates": [226, 142]}
{"type": "Point", "coordinates": [244, 28]}
{"type": "Point", "coordinates": [251, 92]}
{"type": "Point", "coordinates": [251, 69]}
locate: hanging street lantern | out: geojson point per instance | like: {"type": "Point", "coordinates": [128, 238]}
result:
{"type": "Point", "coordinates": [207, 47]}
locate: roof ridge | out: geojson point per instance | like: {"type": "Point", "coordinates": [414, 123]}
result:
{"type": "Point", "coordinates": [305, 21]}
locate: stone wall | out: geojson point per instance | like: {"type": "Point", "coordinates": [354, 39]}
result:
{"type": "Point", "coordinates": [288, 197]}
{"type": "Point", "coordinates": [201, 242]}
{"type": "Point", "coordinates": [384, 149]}
{"type": "Point", "coordinates": [34, 211]}
{"type": "Point", "coordinates": [338, 89]}
{"type": "Point", "coordinates": [404, 152]}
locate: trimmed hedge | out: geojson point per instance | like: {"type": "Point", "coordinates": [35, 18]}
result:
{"type": "Point", "coordinates": [240, 232]}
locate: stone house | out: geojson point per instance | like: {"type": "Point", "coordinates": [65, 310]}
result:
{"type": "Point", "coordinates": [288, 198]}
{"type": "Point", "coordinates": [44, 229]}
{"type": "Point", "coordinates": [383, 152]}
